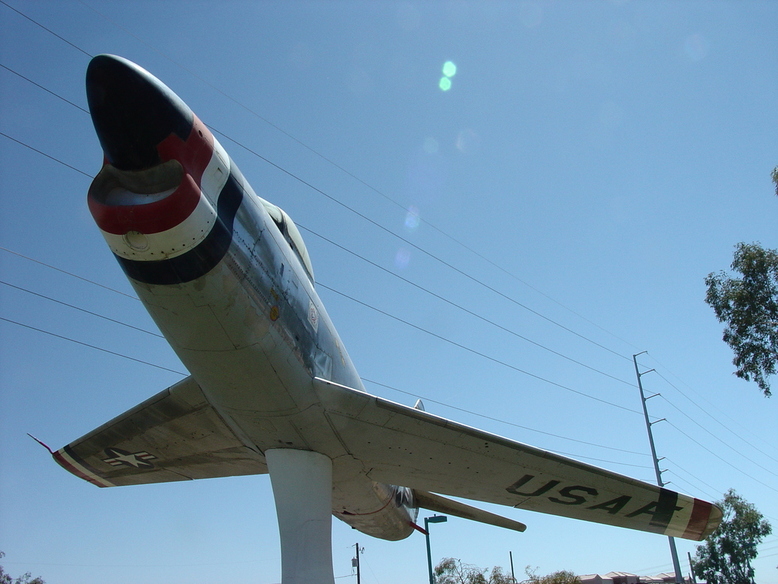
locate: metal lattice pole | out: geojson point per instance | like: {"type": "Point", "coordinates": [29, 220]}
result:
{"type": "Point", "coordinates": [659, 481]}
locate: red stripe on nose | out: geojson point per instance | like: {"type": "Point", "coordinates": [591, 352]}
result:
{"type": "Point", "coordinates": [153, 217]}
{"type": "Point", "coordinates": [194, 153]}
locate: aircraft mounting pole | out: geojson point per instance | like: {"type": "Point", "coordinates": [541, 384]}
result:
{"type": "Point", "coordinates": [302, 489]}
{"type": "Point", "coordinates": [659, 481]}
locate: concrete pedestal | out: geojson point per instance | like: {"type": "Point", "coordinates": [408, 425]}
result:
{"type": "Point", "coordinates": [302, 488]}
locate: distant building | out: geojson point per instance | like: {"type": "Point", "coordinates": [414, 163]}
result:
{"type": "Point", "coordinates": [627, 578]}
{"type": "Point", "coordinates": [665, 577]}
{"type": "Point", "coordinates": [623, 578]}
{"type": "Point", "coordinates": [594, 579]}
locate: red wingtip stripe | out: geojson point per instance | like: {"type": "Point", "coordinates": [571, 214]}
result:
{"type": "Point", "coordinates": [698, 522]}
{"type": "Point", "coordinates": [71, 465]}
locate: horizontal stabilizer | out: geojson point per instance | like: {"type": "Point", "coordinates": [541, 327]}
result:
{"type": "Point", "coordinates": [174, 436]}
{"type": "Point", "coordinates": [433, 502]}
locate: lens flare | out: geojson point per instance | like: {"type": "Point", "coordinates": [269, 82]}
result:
{"type": "Point", "coordinates": [449, 70]}
{"type": "Point", "coordinates": [412, 218]}
{"type": "Point", "coordinates": [402, 258]}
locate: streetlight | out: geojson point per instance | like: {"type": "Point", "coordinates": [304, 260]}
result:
{"type": "Point", "coordinates": [427, 521]}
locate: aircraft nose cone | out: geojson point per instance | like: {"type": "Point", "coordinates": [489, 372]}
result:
{"type": "Point", "coordinates": [132, 112]}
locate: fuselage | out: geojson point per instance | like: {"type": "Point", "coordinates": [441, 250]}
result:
{"type": "Point", "coordinates": [226, 277]}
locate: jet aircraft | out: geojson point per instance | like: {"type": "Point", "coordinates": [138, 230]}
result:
{"type": "Point", "coordinates": [226, 276]}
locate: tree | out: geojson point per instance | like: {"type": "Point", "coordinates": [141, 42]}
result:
{"type": "Point", "coordinates": [453, 571]}
{"type": "Point", "coordinates": [775, 179]}
{"type": "Point", "coordinates": [560, 577]}
{"type": "Point", "coordinates": [726, 555]}
{"type": "Point", "coordinates": [27, 578]}
{"type": "Point", "coordinates": [749, 307]}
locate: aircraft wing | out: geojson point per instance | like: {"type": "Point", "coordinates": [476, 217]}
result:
{"type": "Point", "coordinates": [405, 446]}
{"type": "Point", "coordinates": [174, 436]}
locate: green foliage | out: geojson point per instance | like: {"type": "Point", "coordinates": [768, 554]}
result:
{"type": "Point", "coordinates": [560, 577]}
{"type": "Point", "coordinates": [27, 578]}
{"type": "Point", "coordinates": [775, 179]}
{"type": "Point", "coordinates": [453, 571]}
{"type": "Point", "coordinates": [725, 556]}
{"type": "Point", "coordinates": [749, 307]}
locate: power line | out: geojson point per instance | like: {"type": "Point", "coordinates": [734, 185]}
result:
{"type": "Point", "coordinates": [44, 154]}
{"type": "Point", "coordinates": [72, 340]}
{"type": "Point", "coordinates": [405, 240]}
{"type": "Point", "coordinates": [364, 217]}
{"type": "Point", "coordinates": [460, 307]}
{"type": "Point", "coordinates": [493, 419]}
{"type": "Point", "coordinates": [113, 320]}
{"type": "Point", "coordinates": [656, 462]}
{"type": "Point", "coordinates": [444, 404]}
{"type": "Point", "coordinates": [75, 105]}
{"type": "Point", "coordinates": [711, 416]}
{"type": "Point", "coordinates": [125, 356]}
{"type": "Point", "coordinates": [333, 199]}
{"type": "Point", "coordinates": [772, 488]}
{"type": "Point", "coordinates": [63, 39]}
{"type": "Point", "coordinates": [717, 438]}
{"type": "Point", "coordinates": [399, 319]}
{"type": "Point", "coordinates": [475, 352]}
{"type": "Point", "coordinates": [682, 474]}
{"type": "Point", "coordinates": [28, 258]}
{"type": "Point", "coordinates": [710, 433]}
{"type": "Point", "coordinates": [417, 247]}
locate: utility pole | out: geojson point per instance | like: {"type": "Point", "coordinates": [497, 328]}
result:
{"type": "Point", "coordinates": [355, 562]}
{"type": "Point", "coordinates": [691, 566]}
{"type": "Point", "coordinates": [513, 574]}
{"type": "Point", "coordinates": [644, 399]}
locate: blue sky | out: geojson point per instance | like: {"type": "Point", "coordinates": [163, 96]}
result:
{"type": "Point", "coordinates": [591, 163]}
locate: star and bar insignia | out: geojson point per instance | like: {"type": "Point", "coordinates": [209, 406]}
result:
{"type": "Point", "coordinates": [117, 457]}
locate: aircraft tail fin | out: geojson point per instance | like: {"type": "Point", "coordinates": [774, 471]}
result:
{"type": "Point", "coordinates": [433, 502]}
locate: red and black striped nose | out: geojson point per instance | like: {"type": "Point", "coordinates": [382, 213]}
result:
{"type": "Point", "coordinates": [133, 112]}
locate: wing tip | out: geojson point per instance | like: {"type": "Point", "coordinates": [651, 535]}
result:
{"type": "Point", "coordinates": [68, 460]}
{"type": "Point", "coordinates": [714, 520]}
{"type": "Point", "coordinates": [706, 518]}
